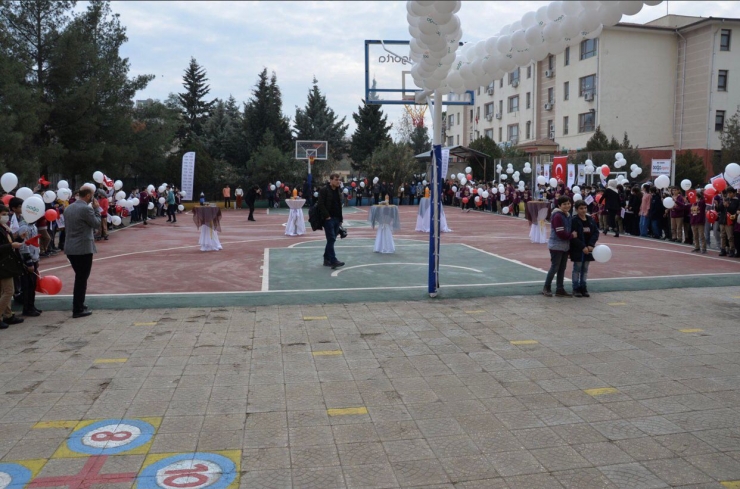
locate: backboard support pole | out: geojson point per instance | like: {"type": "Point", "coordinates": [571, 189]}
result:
{"type": "Point", "coordinates": [436, 189]}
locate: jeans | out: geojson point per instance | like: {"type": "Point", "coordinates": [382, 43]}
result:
{"type": "Point", "coordinates": [171, 208]}
{"type": "Point", "coordinates": [656, 225]}
{"type": "Point", "coordinates": [644, 225]}
{"type": "Point", "coordinates": [331, 229]}
{"type": "Point", "coordinates": [708, 233]}
{"type": "Point", "coordinates": [82, 265]}
{"type": "Point", "coordinates": [578, 266]}
{"type": "Point", "coordinates": [28, 286]}
{"type": "Point", "coordinates": [558, 262]}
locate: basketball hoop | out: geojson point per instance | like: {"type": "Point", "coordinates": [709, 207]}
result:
{"type": "Point", "coordinates": [310, 159]}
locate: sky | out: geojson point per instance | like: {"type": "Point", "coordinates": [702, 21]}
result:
{"type": "Point", "coordinates": [234, 41]}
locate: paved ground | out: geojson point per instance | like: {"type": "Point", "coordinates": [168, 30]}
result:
{"type": "Point", "coordinates": [624, 390]}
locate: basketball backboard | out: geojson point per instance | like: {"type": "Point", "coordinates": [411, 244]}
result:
{"type": "Point", "coordinates": [388, 76]}
{"type": "Point", "coordinates": [304, 150]}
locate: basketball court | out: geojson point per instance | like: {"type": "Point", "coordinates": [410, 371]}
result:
{"type": "Point", "coordinates": [161, 265]}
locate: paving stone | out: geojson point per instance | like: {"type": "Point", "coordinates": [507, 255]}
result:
{"type": "Point", "coordinates": [517, 462]}
{"type": "Point", "coordinates": [632, 476]}
{"type": "Point", "coordinates": [419, 473]}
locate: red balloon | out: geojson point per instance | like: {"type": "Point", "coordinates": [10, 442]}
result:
{"type": "Point", "coordinates": [287, 189]}
{"type": "Point", "coordinates": [475, 190]}
{"type": "Point", "coordinates": [691, 195]}
{"type": "Point", "coordinates": [469, 177]}
{"type": "Point", "coordinates": [49, 285]}
{"type": "Point", "coordinates": [712, 216]}
{"type": "Point", "coordinates": [118, 209]}
{"type": "Point", "coordinates": [605, 171]}
{"type": "Point", "coordinates": [6, 199]}
{"type": "Point", "coordinates": [51, 215]}
{"type": "Point", "coordinates": [479, 203]}
{"type": "Point", "coordinates": [720, 184]}
{"type": "Point", "coordinates": [465, 200]}
{"type": "Point", "coordinates": [709, 194]}
{"type": "Point", "coordinates": [124, 213]}
{"type": "Point", "coordinates": [354, 184]}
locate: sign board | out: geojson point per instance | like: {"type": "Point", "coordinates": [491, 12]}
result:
{"type": "Point", "coordinates": [445, 162]}
{"type": "Point", "coordinates": [581, 174]}
{"type": "Point", "coordinates": [571, 175]}
{"type": "Point", "coordinates": [188, 174]}
{"type": "Point", "coordinates": [660, 167]}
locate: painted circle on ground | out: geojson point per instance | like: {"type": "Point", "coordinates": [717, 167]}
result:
{"type": "Point", "coordinates": [189, 471]}
{"type": "Point", "coordinates": [111, 436]}
{"type": "Point", "coordinates": [355, 224]}
{"type": "Point", "coordinates": [14, 476]}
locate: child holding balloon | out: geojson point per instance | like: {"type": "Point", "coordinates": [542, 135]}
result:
{"type": "Point", "coordinates": [585, 234]}
{"type": "Point", "coordinates": [30, 255]}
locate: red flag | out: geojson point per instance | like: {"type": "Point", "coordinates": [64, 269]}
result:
{"type": "Point", "coordinates": [43, 181]}
{"type": "Point", "coordinates": [33, 241]}
{"type": "Point", "coordinates": [559, 168]}
{"type": "Point", "coordinates": [108, 182]}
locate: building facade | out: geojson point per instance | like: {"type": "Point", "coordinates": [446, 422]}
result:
{"type": "Point", "coordinates": [667, 84]}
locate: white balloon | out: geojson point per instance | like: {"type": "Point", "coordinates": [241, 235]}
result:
{"type": "Point", "coordinates": [570, 26]}
{"type": "Point", "coordinates": [589, 163]}
{"type": "Point", "coordinates": [98, 176]}
{"type": "Point", "coordinates": [534, 36]}
{"type": "Point", "coordinates": [23, 193]}
{"type": "Point", "coordinates": [62, 184]}
{"type": "Point", "coordinates": [541, 180]}
{"type": "Point", "coordinates": [602, 253]}
{"type": "Point", "coordinates": [117, 185]}
{"type": "Point", "coordinates": [577, 197]}
{"type": "Point", "coordinates": [618, 156]}
{"type": "Point", "coordinates": [116, 220]}
{"type": "Point", "coordinates": [571, 8]}
{"type": "Point", "coordinates": [527, 170]}
{"type": "Point", "coordinates": [505, 210]}
{"type": "Point", "coordinates": [129, 204]}
{"type": "Point", "coordinates": [454, 188]}
{"type": "Point", "coordinates": [8, 181]}
{"type": "Point", "coordinates": [477, 198]}
{"type": "Point", "coordinates": [150, 206]}
{"type": "Point", "coordinates": [121, 195]}
{"type": "Point", "coordinates": [504, 176]}
{"type": "Point", "coordinates": [161, 200]}
{"type": "Point", "coordinates": [541, 15]}
{"type": "Point", "coordinates": [610, 13]}
{"type": "Point", "coordinates": [485, 194]}
{"type": "Point", "coordinates": [315, 194]}
{"type": "Point", "coordinates": [272, 187]}
{"type": "Point", "coordinates": [501, 188]}
{"type": "Point", "coordinates": [494, 190]}
{"type": "Point", "coordinates": [463, 181]}
{"type": "Point", "coordinates": [362, 184]}
{"type": "Point", "coordinates": [732, 171]}
{"type": "Point", "coordinates": [662, 182]}
{"type": "Point", "coordinates": [630, 8]}
{"type": "Point", "coordinates": [135, 201]}
{"type": "Point", "coordinates": [553, 182]}
{"type": "Point", "coordinates": [510, 170]}
{"type": "Point", "coordinates": [49, 196]}
{"type": "Point", "coordinates": [554, 10]}
{"type": "Point", "coordinates": [345, 191]}
{"type": "Point", "coordinates": [150, 188]}
{"type": "Point", "coordinates": [279, 183]}
{"type": "Point", "coordinates": [180, 207]}
{"type": "Point", "coordinates": [504, 44]}
{"type": "Point", "coordinates": [668, 203]}
{"type": "Point", "coordinates": [468, 169]}
{"type": "Point", "coordinates": [376, 180]}
{"type": "Point", "coordinates": [33, 209]}
{"type": "Point", "coordinates": [686, 184]}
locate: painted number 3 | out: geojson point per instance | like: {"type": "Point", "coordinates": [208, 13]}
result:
{"type": "Point", "coordinates": [110, 436]}
{"type": "Point", "coordinates": [192, 477]}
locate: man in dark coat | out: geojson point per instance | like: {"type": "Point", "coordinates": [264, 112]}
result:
{"type": "Point", "coordinates": [251, 196]}
{"type": "Point", "coordinates": [330, 209]}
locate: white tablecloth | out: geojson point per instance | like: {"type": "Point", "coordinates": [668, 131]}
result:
{"type": "Point", "coordinates": [387, 220]}
{"type": "Point", "coordinates": [539, 231]}
{"type": "Point", "coordinates": [296, 225]}
{"type": "Point", "coordinates": [423, 218]}
{"type": "Point", "coordinates": [209, 239]}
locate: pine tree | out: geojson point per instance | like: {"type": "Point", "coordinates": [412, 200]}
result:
{"type": "Point", "coordinates": [318, 122]}
{"type": "Point", "coordinates": [598, 142]}
{"type": "Point", "coordinates": [730, 139]}
{"type": "Point", "coordinates": [264, 112]}
{"type": "Point", "coordinates": [195, 109]}
{"type": "Point", "coordinates": [215, 131]}
{"type": "Point", "coordinates": [420, 141]}
{"type": "Point", "coordinates": [372, 131]}
{"type": "Point", "coordinates": [690, 166]}
{"type": "Point", "coordinates": [492, 150]}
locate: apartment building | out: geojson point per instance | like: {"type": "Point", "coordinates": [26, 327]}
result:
{"type": "Point", "coordinates": [667, 83]}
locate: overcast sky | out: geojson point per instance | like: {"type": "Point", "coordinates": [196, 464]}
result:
{"type": "Point", "coordinates": [234, 41]}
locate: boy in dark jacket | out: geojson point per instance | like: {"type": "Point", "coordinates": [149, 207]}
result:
{"type": "Point", "coordinates": [558, 244]}
{"type": "Point", "coordinates": [586, 233]}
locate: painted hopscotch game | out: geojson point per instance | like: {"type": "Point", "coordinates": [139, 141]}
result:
{"type": "Point", "coordinates": [116, 451]}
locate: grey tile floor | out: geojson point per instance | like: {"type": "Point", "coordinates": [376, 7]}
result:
{"type": "Point", "coordinates": [630, 390]}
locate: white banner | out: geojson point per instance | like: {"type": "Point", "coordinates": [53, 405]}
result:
{"type": "Point", "coordinates": [571, 174]}
{"type": "Point", "coordinates": [581, 174]}
{"type": "Point", "coordinates": [735, 183]}
{"type": "Point", "coordinates": [660, 167]}
{"type": "Point", "coordinates": [188, 173]}
{"type": "Point", "coordinates": [542, 169]}
{"type": "Point", "coordinates": [445, 162]}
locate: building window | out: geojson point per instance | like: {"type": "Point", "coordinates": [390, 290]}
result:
{"type": "Point", "coordinates": [565, 125]}
{"type": "Point", "coordinates": [567, 56]}
{"type": "Point", "coordinates": [514, 76]}
{"type": "Point", "coordinates": [459, 120]}
{"type": "Point", "coordinates": [586, 122]}
{"type": "Point", "coordinates": [551, 129]}
{"type": "Point", "coordinates": [490, 88]}
{"type": "Point", "coordinates": [550, 62]}
{"type": "Point", "coordinates": [514, 103]}
{"type": "Point", "coordinates": [500, 138]}
{"type": "Point", "coordinates": [501, 83]}
{"type": "Point", "coordinates": [488, 109]}
{"type": "Point", "coordinates": [500, 106]}
{"type": "Point", "coordinates": [529, 100]}
{"type": "Point", "coordinates": [458, 139]}
{"type": "Point", "coordinates": [512, 132]}
{"type": "Point", "coordinates": [586, 85]}
{"type": "Point", "coordinates": [551, 95]}
{"type": "Point", "coordinates": [529, 72]}
{"type": "Point", "coordinates": [588, 48]}
{"type": "Point", "coordinates": [450, 141]}
{"type": "Point", "coordinates": [471, 116]}
{"type": "Point", "coordinates": [724, 40]}
{"type": "Point", "coordinates": [451, 120]}
{"type": "Point", "coordinates": [719, 120]}
{"type": "Point", "coordinates": [489, 134]}
{"type": "Point", "coordinates": [722, 81]}
{"type": "Point", "coordinates": [566, 90]}
{"type": "Point", "coordinates": [479, 90]}
{"type": "Point", "coordinates": [529, 129]}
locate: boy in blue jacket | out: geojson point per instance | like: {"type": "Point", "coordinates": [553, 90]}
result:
{"type": "Point", "coordinates": [585, 234]}
{"type": "Point", "coordinates": [559, 245]}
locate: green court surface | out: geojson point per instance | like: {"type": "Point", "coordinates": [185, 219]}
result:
{"type": "Point", "coordinates": [461, 265]}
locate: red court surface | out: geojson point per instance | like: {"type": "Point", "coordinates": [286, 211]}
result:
{"type": "Point", "coordinates": [163, 259]}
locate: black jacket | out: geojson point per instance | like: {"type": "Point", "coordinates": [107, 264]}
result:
{"type": "Point", "coordinates": [251, 195]}
{"type": "Point", "coordinates": [610, 199]}
{"type": "Point", "coordinates": [588, 234]}
{"type": "Point", "coordinates": [657, 209]}
{"type": "Point", "coordinates": [330, 203]}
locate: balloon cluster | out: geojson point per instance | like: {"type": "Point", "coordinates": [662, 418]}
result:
{"type": "Point", "coordinates": [436, 33]}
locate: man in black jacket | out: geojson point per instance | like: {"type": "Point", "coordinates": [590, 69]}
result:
{"type": "Point", "coordinates": [250, 198]}
{"type": "Point", "coordinates": [330, 209]}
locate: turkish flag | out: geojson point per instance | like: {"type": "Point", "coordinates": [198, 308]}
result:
{"type": "Point", "coordinates": [43, 181]}
{"type": "Point", "coordinates": [107, 181]}
{"type": "Point", "coordinates": [33, 241]}
{"type": "Point", "coordinates": [559, 168]}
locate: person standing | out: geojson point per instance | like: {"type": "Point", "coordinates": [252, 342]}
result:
{"type": "Point", "coordinates": [7, 288]}
{"type": "Point", "coordinates": [171, 205]}
{"type": "Point", "coordinates": [559, 246]}
{"type": "Point", "coordinates": [239, 193]}
{"type": "Point", "coordinates": [645, 211]}
{"type": "Point", "coordinates": [144, 205]}
{"type": "Point", "coordinates": [677, 213]}
{"type": "Point", "coordinates": [330, 209]}
{"type": "Point", "coordinates": [81, 220]}
{"type": "Point", "coordinates": [227, 196]}
{"type": "Point", "coordinates": [697, 218]}
{"type": "Point", "coordinates": [585, 235]}
{"type": "Point", "coordinates": [376, 193]}
{"type": "Point", "coordinates": [252, 193]}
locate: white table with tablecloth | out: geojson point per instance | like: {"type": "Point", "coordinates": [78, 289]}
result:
{"type": "Point", "coordinates": [387, 220]}
{"type": "Point", "coordinates": [208, 220]}
{"type": "Point", "coordinates": [423, 218]}
{"type": "Point", "coordinates": [296, 226]}
{"type": "Point", "coordinates": [539, 229]}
